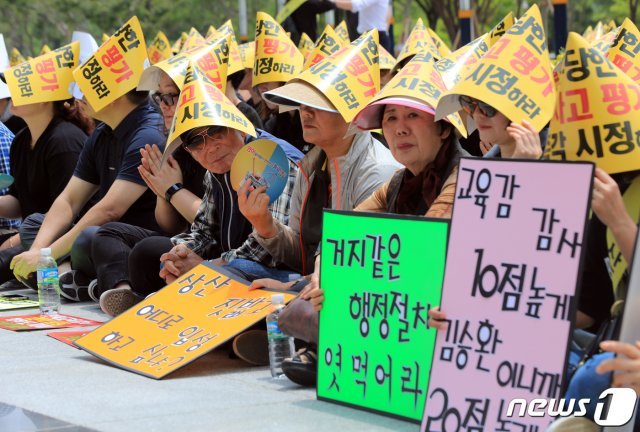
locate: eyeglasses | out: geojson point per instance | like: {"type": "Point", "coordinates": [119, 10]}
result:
{"type": "Point", "coordinates": [196, 142]}
{"type": "Point", "coordinates": [470, 105]}
{"type": "Point", "coordinates": [169, 99]}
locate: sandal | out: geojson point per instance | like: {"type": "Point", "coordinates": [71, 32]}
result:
{"type": "Point", "coordinates": [302, 368]}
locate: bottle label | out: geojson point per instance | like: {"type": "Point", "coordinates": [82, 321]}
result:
{"type": "Point", "coordinates": [274, 331]}
{"type": "Point", "coordinates": [48, 276]}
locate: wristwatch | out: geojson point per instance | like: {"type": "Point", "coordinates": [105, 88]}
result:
{"type": "Point", "coordinates": [172, 191]}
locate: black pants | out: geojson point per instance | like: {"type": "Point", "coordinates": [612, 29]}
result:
{"type": "Point", "coordinates": [111, 252]}
{"type": "Point", "coordinates": [80, 251]}
{"type": "Point", "coordinates": [384, 40]}
{"type": "Point", "coordinates": [144, 265]}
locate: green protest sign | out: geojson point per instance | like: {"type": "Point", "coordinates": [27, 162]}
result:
{"type": "Point", "coordinates": [380, 274]}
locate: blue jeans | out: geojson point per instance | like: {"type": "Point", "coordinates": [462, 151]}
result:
{"type": "Point", "coordinates": [251, 270]}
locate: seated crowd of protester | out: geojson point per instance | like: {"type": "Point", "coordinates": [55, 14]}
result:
{"type": "Point", "coordinates": [128, 205]}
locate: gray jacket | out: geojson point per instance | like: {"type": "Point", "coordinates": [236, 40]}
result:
{"type": "Point", "coordinates": [367, 165]}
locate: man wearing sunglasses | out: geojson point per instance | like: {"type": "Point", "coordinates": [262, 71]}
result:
{"type": "Point", "coordinates": [219, 230]}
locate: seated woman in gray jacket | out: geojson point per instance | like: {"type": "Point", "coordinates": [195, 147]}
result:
{"type": "Point", "coordinates": [340, 172]}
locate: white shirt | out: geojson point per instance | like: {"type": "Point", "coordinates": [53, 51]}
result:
{"type": "Point", "coordinates": [371, 14]}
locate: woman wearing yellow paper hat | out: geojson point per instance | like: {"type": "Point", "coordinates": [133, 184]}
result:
{"type": "Point", "coordinates": [429, 152]}
{"type": "Point", "coordinates": [499, 136]}
{"type": "Point", "coordinates": [43, 157]}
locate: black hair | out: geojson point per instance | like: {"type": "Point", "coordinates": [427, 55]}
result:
{"type": "Point", "coordinates": [236, 78]}
{"type": "Point", "coordinates": [69, 111]}
{"type": "Point", "coordinates": [137, 97]}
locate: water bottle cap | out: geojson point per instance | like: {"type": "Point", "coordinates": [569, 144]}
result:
{"type": "Point", "coordinates": [45, 251]}
{"type": "Point", "coordinates": [277, 299]}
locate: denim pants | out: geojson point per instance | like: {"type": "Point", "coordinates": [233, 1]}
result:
{"type": "Point", "coordinates": [251, 270]}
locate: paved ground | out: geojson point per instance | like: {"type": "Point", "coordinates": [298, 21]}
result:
{"type": "Point", "coordinates": [214, 393]}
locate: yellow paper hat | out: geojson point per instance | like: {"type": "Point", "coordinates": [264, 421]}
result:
{"type": "Point", "coordinates": [305, 45]}
{"type": "Point", "coordinates": [606, 40]}
{"type": "Point", "coordinates": [456, 65]}
{"type": "Point", "coordinates": [514, 76]}
{"type": "Point", "coordinates": [115, 68]}
{"type": "Point", "coordinates": [418, 40]}
{"type": "Point", "coordinates": [348, 79]}
{"type": "Point", "coordinates": [443, 48]}
{"type": "Point", "coordinates": [328, 43]}
{"type": "Point", "coordinates": [211, 31]}
{"type": "Point", "coordinates": [159, 49]}
{"type": "Point", "coordinates": [194, 40]}
{"type": "Point", "coordinates": [598, 31]}
{"type": "Point", "coordinates": [588, 34]}
{"type": "Point", "coordinates": [343, 32]}
{"type": "Point", "coordinates": [46, 78]}
{"type": "Point", "coordinates": [501, 28]}
{"type": "Point", "coordinates": [201, 103]}
{"type": "Point", "coordinates": [277, 58]}
{"type": "Point", "coordinates": [419, 81]}
{"type": "Point", "coordinates": [248, 54]}
{"type": "Point", "coordinates": [177, 45]}
{"type": "Point", "coordinates": [211, 59]}
{"type": "Point", "coordinates": [16, 58]}
{"type": "Point", "coordinates": [622, 48]}
{"type": "Point", "coordinates": [595, 117]}
{"type": "Point", "coordinates": [235, 60]}
{"type": "Point", "coordinates": [387, 61]}
{"type": "Point", "coordinates": [45, 49]}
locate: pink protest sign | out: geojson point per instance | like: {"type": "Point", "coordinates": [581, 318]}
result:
{"type": "Point", "coordinates": [512, 270]}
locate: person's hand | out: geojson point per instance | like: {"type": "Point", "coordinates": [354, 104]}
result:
{"type": "Point", "coordinates": [485, 147]}
{"type": "Point", "coordinates": [179, 260]}
{"type": "Point", "coordinates": [606, 200]}
{"type": "Point", "coordinates": [437, 319]}
{"type": "Point", "coordinates": [271, 284]}
{"type": "Point", "coordinates": [527, 141]}
{"type": "Point", "coordinates": [159, 177]}
{"type": "Point", "coordinates": [24, 264]}
{"type": "Point", "coordinates": [316, 297]}
{"type": "Point", "coordinates": [625, 367]}
{"type": "Point", "coordinates": [312, 292]}
{"type": "Point", "coordinates": [254, 205]}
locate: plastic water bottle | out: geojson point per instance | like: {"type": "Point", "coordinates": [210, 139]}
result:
{"type": "Point", "coordinates": [48, 283]}
{"type": "Point", "coordinates": [281, 346]}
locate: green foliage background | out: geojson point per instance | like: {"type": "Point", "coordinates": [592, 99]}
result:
{"type": "Point", "coordinates": [27, 25]}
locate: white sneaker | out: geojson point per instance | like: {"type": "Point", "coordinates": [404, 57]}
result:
{"type": "Point", "coordinates": [93, 290]}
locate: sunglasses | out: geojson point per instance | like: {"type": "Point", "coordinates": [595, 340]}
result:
{"type": "Point", "coordinates": [169, 99]}
{"type": "Point", "coordinates": [469, 105]}
{"type": "Point", "coordinates": [196, 142]}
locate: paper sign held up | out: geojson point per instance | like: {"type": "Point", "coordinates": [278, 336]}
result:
{"type": "Point", "coordinates": [513, 264]}
{"type": "Point", "coordinates": [375, 346]}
